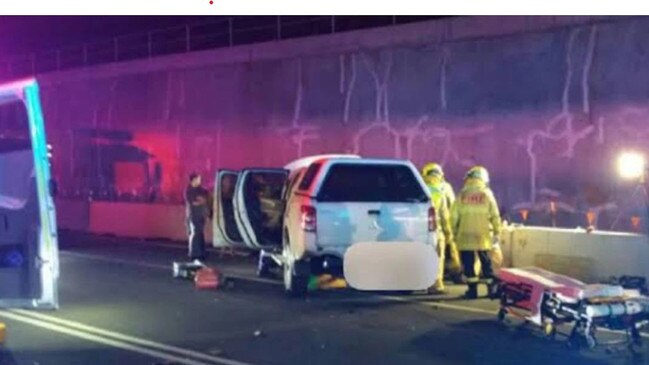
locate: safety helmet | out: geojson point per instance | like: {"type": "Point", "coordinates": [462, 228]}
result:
{"type": "Point", "coordinates": [432, 169]}
{"type": "Point", "coordinates": [478, 172]}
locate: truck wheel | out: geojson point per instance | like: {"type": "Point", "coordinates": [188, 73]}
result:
{"type": "Point", "coordinates": [295, 283]}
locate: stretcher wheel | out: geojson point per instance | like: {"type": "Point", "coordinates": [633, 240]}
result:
{"type": "Point", "coordinates": [635, 338]}
{"type": "Point", "coordinates": [574, 340]}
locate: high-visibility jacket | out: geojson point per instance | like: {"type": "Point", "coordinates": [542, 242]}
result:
{"type": "Point", "coordinates": [439, 200]}
{"type": "Point", "coordinates": [475, 217]}
{"type": "Point", "coordinates": [442, 190]}
{"type": "Point", "coordinates": [447, 189]}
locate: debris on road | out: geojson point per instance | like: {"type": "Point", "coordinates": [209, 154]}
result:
{"type": "Point", "coordinates": [325, 282]}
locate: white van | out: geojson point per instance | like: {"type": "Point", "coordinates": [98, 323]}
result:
{"type": "Point", "coordinates": [306, 216]}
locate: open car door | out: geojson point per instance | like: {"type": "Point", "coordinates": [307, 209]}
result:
{"type": "Point", "coordinates": [29, 267]}
{"type": "Point", "coordinates": [259, 207]}
{"type": "Point", "coordinates": [225, 230]}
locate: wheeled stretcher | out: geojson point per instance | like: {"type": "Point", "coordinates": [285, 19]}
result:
{"type": "Point", "coordinates": [547, 300]}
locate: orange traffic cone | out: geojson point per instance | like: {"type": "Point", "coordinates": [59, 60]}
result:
{"type": "Point", "coordinates": [524, 214]}
{"type": "Point", "coordinates": [590, 216]}
{"type": "Point", "coordinates": [635, 223]}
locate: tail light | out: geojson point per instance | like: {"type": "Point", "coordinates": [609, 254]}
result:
{"type": "Point", "coordinates": [432, 220]}
{"type": "Point", "coordinates": [309, 218]}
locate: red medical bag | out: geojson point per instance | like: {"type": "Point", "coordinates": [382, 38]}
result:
{"type": "Point", "coordinates": [207, 278]}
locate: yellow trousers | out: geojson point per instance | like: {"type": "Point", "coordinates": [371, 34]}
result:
{"type": "Point", "coordinates": [455, 264]}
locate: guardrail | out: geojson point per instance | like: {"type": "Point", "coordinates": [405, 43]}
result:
{"type": "Point", "coordinates": [222, 32]}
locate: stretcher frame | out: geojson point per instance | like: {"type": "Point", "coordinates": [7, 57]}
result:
{"type": "Point", "coordinates": [555, 309]}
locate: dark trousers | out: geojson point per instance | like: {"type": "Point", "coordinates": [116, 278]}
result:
{"type": "Point", "coordinates": [468, 262]}
{"type": "Point", "coordinates": [196, 231]}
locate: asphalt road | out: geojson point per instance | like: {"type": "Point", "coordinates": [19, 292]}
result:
{"type": "Point", "coordinates": [120, 305]}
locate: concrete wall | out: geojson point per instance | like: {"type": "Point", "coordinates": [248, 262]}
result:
{"type": "Point", "coordinates": [590, 257]}
{"type": "Point", "coordinates": [544, 102]}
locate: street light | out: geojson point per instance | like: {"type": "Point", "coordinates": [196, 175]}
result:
{"type": "Point", "coordinates": [631, 166]}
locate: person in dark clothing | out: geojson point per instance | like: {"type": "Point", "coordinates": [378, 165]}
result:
{"type": "Point", "coordinates": [198, 211]}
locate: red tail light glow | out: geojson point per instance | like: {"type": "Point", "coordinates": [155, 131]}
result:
{"type": "Point", "coordinates": [309, 218]}
{"type": "Point", "coordinates": [432, 220]}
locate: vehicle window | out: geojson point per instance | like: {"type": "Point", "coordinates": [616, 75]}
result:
{"type": "Point", "coordinates": [309, 176]}
{"type": "Point", "coordinates": [226, 188]}
{"type": "Point", "coordinates": [371, 183]}
{"type": "Point", "coordinates": [263, 199]}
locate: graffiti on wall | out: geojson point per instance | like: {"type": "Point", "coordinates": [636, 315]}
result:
{"type": "Point", "coordinates": [544, 112]}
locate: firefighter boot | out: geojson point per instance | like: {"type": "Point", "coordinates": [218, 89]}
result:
{"type": "Point", "coordinates": [472, 292]}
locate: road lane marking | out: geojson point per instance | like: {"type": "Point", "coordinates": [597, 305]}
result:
{"type": "Point", "coordinates": [114, 261]}
{"type": "Point", "coordinates": [484, 311]}
{"type": "Point", "coordinates": [162, 267]}
{"type": "Point", "coordinates": [443, 305]}
{"type": "Point", "coordinates": [123, 337]}
{"type": "Point", "coordinates": [432, 303]}
{"type": "Point", "coordinates": [121, 344]}
{"type": "Point", "coordinates": [140, 243]}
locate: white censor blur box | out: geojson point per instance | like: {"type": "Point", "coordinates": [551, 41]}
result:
{"type": "Point", "coordinates": [390, 266]}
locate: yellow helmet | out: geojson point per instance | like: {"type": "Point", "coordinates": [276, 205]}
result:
{"type": "Point", "coordinates": [432, 168]}
{"type": "Point", "coordinates": [478, 172]}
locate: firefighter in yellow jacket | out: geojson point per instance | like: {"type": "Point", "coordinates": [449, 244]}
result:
{"type": "Point", "coordinates": [441, 192]}
{"type": "Point", "coordinates": [476, 223]}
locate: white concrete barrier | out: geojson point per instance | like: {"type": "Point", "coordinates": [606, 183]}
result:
{"type": "Point", "coordinates": [131, 220]}
{"type": "Point", "coordinates": [589, 257]}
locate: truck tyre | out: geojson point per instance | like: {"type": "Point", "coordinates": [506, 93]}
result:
{"type": "Point", "coordinates": [296, 281]}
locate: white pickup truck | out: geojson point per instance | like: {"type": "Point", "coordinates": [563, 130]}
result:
{"type": "Point", "coordinates": [306, 216]}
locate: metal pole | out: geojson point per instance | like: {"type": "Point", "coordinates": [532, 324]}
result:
{"type": "Point", "coordinates": [188, 38]}
{"type": "Point", "coordinates": [643, 182]}
{"type": "Point", "coordinates": [333, 24]}
{"type": "Point", "coordinates": [230, 32]}
{"type": "Point", "coordinates": [279, 27]}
